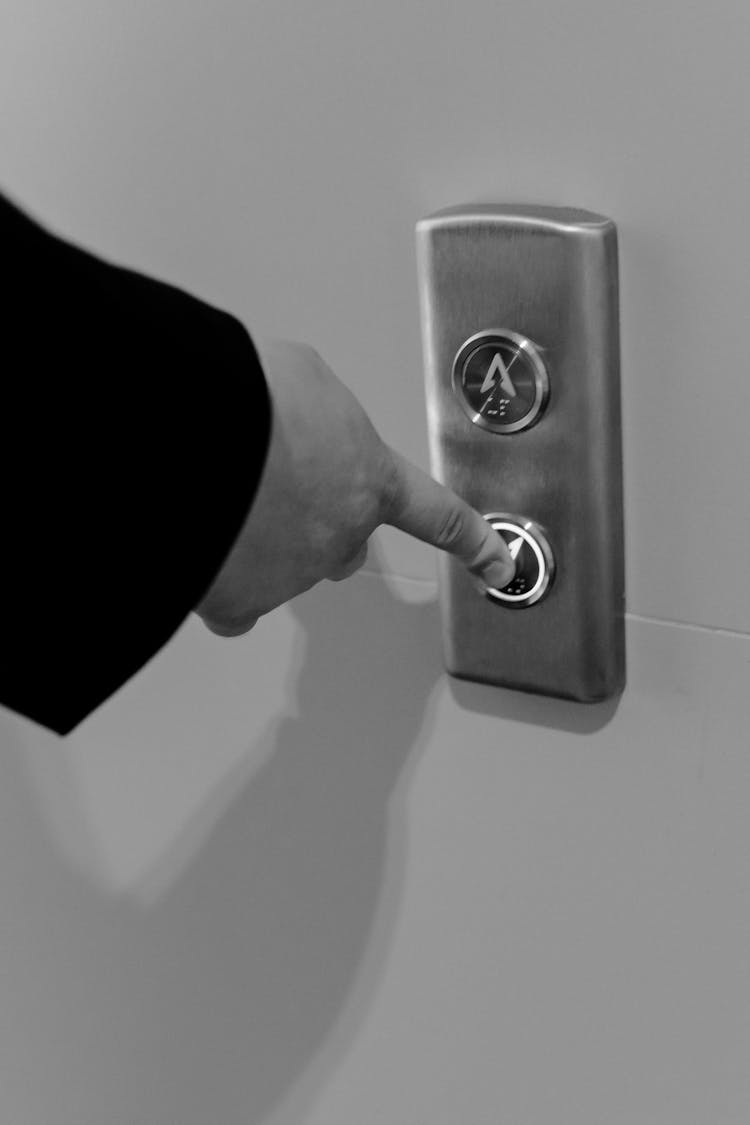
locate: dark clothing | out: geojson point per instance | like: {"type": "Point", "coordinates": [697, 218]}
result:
{"type": "Point", "coordinates": [135, 426]}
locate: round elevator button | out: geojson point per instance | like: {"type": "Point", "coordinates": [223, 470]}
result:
{"type": "Point", "coordinates": [500, 380]}
{"type": "Point", "coordinates": [535, 563]}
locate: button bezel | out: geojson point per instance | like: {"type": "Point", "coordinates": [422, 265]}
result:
{"type": "Point", "coordinates": [541, 379]}
{"type": "Point", "coordinates": [535, 536]}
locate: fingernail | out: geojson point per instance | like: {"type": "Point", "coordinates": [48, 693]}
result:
{"type": "Point", "coordinates": [498, 574]}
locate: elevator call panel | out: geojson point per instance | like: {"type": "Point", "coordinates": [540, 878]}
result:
{"type": "Point", "coordinates": [520, 333]}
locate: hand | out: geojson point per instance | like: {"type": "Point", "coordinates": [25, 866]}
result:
{"type": "Point", "coordinates": [329, 480]}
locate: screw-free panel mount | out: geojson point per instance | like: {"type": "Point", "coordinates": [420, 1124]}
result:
{"type": "Point", "coordinates": [520, 328]}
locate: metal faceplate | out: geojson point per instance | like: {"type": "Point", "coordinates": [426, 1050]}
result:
{"type": "Point", "coordinates": [519, 309]}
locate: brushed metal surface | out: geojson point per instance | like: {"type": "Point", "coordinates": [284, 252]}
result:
{"type": "Point", "coordinates": [549, 274]}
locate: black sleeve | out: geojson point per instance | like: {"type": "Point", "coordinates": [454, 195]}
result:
{"type": "Point", "coordinates": [135, 425]}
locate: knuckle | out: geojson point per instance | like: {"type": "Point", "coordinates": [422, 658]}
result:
{"type": "Point", "coordinates": [352, 562]}
{"type": "Point", "coordinates": [226, 626]}
{"type": "Point", "coordinates": [452, 529]}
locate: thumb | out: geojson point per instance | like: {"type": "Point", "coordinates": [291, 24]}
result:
{"type": "Point", "coordinates": [429, 511]}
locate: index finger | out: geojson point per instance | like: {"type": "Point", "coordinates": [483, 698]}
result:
{"type": "Point", "coordinates": [429, 511]}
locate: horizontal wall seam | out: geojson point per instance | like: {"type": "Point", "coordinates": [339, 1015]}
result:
{"type": "Point", "coordinates": [428, 583]}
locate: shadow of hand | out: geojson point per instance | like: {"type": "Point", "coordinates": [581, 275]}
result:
{"type": "Point", "coordinates": [213, 1003]}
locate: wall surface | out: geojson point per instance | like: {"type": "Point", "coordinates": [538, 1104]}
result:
{"type": "Point", "coordinates": [303, 877]}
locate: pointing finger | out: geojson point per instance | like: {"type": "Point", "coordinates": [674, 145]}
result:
{"type": "Point", "coordinates": [429, 511]}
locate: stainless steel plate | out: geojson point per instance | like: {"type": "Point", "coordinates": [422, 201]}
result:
{"type": "Point", "coordinates": [547, 276]}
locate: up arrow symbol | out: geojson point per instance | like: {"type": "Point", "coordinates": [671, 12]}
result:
{"type": "Point", "coordinates": [505, 380]}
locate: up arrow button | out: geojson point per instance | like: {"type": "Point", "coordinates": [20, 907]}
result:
{"type": "Point", "coordinates": [490, 378]}
{"type": "Point", "coordinates": [501, 381]}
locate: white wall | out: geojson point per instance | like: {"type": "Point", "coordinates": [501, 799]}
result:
{"type": "Point", "coordinates": [303, 876]}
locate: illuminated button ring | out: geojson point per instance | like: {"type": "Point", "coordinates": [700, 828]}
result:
{"type": "Point", "coordinates": [535, 563]}
{"type": "Point", "coordinates": [500, 380]}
